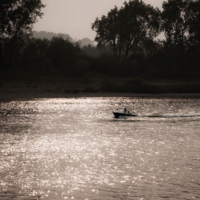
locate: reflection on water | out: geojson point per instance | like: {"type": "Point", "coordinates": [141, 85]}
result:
{"type": "Point", "coordinates": [75, 149]}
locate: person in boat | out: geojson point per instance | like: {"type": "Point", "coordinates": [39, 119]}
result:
{"type": "Point", "coordinates": [125, 110]}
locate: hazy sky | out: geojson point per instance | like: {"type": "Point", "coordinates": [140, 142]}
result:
{"type": "Point", "coordinates": [74, 17]}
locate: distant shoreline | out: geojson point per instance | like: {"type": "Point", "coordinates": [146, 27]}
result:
{"type": "Point", "coordinates": [57, 87]}
{"type": "Point", "coordinates": [4, 96]}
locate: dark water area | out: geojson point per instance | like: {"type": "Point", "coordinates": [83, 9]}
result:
{"type": "Point", "coordinates": [74, 148]}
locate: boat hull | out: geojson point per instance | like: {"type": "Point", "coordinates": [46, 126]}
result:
{"type": "Point", "coordinates": [119, 114]}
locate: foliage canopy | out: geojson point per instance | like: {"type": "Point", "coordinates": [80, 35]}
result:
{"type": "Point", "coordinates": [128, 28]}
{"type": "Point", "coordinates": [16, 20]}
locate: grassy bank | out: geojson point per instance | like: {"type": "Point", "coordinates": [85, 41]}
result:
{"type": "Point", "coordinates": [24, 82]}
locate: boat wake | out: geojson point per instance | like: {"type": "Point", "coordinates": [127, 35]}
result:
{"type": "Point", "coordinates": [124, 114]}
{"type": "Point", "coordinates": [160, 115]}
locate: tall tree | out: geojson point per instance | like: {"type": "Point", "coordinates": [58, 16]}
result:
{"type": "Point", "coordinates": [128, 27]}
{"type": "Point", "coordinates": [177, 18]}
{"type": "Point", "coordinates": [107, 30]}
{"type": "Point", "coordinates": [139, 22]}
{"type": "Point", "coordinates": [194, 22]}
{"type": "Point", "coordinates": [17, 18]}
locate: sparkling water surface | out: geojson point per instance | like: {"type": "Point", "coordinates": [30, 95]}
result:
{"type": "Point", "coordinates": [74, 148]}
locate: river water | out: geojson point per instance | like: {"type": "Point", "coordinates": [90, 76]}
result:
{"type": "Point", "coordinates": [73, 148]}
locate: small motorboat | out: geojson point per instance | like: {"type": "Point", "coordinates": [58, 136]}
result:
{"type": "Point", "coordinates": [123, 113]}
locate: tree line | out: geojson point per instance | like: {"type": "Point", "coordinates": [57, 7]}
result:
{"type": "Point", "coordinates": [126, 38]}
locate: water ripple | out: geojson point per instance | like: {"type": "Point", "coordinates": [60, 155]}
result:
{"type": "Point", "coordinates": [74, 149]}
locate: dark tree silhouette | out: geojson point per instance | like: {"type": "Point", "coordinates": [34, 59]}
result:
{"type": "Point", "coordinates": [63, 54]}
{"type": "Point", "coordinates": [16, 20]}
{"type": "Point", "coordinates": [107, 30]}
{"type": "Point", "coordinates": [194, 22]}
{"type": "Point", "coordinates": [178, 16]}
{"type": "Point", "coordinates": [139, 22]}
{"type": "Point", "coordinates": [128, 28]}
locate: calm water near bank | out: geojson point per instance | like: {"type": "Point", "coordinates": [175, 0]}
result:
{"type": "Point", "coordinates": [73, 148]}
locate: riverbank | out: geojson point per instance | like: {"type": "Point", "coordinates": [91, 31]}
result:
{"type": "Point", "coordinates": [16, 94]}
{"type": "Point", "coordinates": [97, 87]}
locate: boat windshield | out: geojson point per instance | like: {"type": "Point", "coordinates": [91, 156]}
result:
{"type": "Point", "coordinates": [121, 110]}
